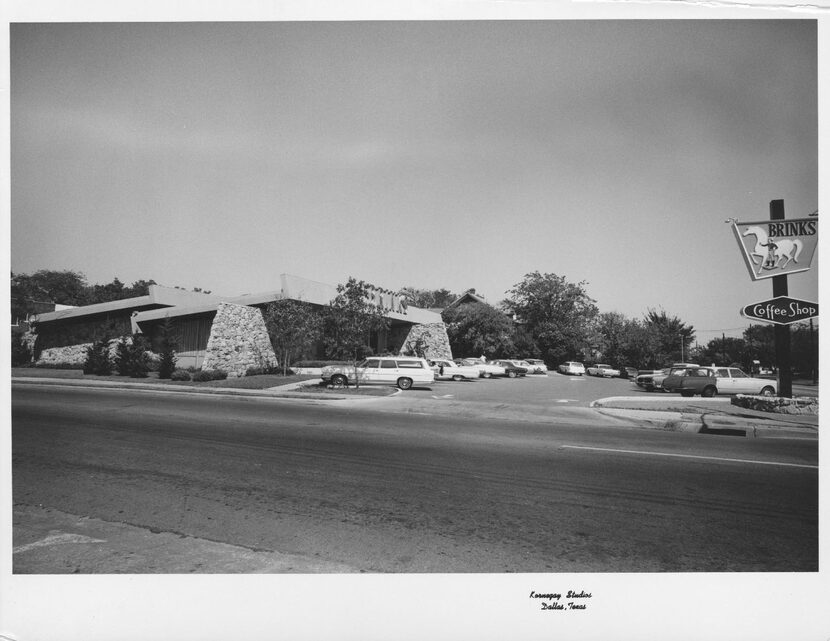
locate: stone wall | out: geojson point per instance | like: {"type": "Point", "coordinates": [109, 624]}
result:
{"type": "Point", "coordinates": [430, 338]}
{"type": "Point", "coordinates": [74, 354]}
{"type": "Point", "coordinates": [238, 341]}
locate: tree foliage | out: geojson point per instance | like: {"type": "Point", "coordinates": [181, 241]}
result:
{"type": "Point", "coordinates": [30, 291]}
{"type": "Point", "coordinates": [167, 349]}
{"type": "Point", "coordinates": [293, 327]}
{"type": "Point", "coordinates": [428, 298]}
{"type": "Point", "coordinates": [98, 359]}
{"type": "Point", "coordinates": [558, 314]}
{"type": "Point", "coordinates": [131, 358]}
{"type": "Point", "coordinates": [669, 338]}
{"type": "Point", "coordinates": [350, 321]}
{"type": "Point", "coordinates": [477, 329]}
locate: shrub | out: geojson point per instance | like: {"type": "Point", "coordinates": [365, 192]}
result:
{"type": "Point", "coordinates": [131, 357]}
{"type": "Point", "coordinates": [320, 363]}
{"type": "Point", "coordinates": [20, 351]}
{"type": "Point", "coordinates": [179, 375]}
{"type": "Point", "coordinates": [210, 375]}
{"type": "Point", "coordinates": [98, 359]}
{"type": "Point", "coordinates": [259, 371]}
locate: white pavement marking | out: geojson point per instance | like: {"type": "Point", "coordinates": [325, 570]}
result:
{"type": "Point", "coordinates": [444, 396]}
{"type": "Point", "coordinates": [56, 539]}
{"type": "Point", "coordinates": [705, 458]}
{"type": "Point", "coordinates": [567, 400]}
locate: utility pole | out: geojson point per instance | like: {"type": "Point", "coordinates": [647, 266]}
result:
{"type": "Point", "coordinates": [782, 332]}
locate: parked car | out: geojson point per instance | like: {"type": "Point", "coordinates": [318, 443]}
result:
{"type": "Point", "coordinates": [602, 369]}
{"type": "Point", "coordinates": [732, 380]}
{"type": "Point", "coordinates": [486, 370]}
{"type": "Point", "coordinates": [709, 381]}
{"type": "Point", "coordinates": [511, 370]}
{"type": "Point", "coordinates": [401, 371]}
{"type": "Point", "coordinates": [652, 380]}
{"type": "Point", "coordinates": [448, 370]}
{"type": "Point", "coordinates": [537, 366]}
{"type": "Point", "coordinates": [692, 380]}
{"type": "Point", "coordinates": [531, 369]}
{"type": "Point", "coordinates": [572, 367]}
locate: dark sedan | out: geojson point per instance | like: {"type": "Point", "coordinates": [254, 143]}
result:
{"type": "Point", "coordinates": [511, 370]}
{"type": "Point", "coordinates": [691, 381]}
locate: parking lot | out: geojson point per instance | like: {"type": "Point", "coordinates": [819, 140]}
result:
{"type": "Point", "coordinates": [553, 389]}
{"type": "Point", "coordinates": [533, 390]}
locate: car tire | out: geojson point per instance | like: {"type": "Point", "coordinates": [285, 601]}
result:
{"type": "Point", "coordinates": [339, 381]}
{"type": "Point", "coordinates": [486, 375]}
{"type": "Point", "coordinates": [404, 383]}
{"type": "Point", "coordinates": [458, 377]}
{"type": "Point", "coordinates": [768, 391]}
{"type": "Point", "coordinates": [511, 374]}
{"type": "Point", "coordinates": [709, 392]}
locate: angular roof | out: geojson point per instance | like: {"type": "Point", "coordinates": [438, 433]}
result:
{"type": "Point", "coordinates": [163, 302]}
{"type": "Point", "coordinates": [158, 296]}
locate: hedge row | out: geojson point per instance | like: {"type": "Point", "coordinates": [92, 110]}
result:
{"type": "Point", "coordinates": [800, 405]}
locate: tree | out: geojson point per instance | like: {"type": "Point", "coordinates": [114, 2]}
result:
{"type": "Point", "coordinates": [478, 329]}
{"type": "Point", "coordinates": [20, 353]}
{"type": "Point", "coordinates": [668, 336]}
{"type": "Point", "coordinates": [558, 314]}
{"type": "Point", "coordinates": [293, 327]}
{"type": "Point", "coordinates": [131, 357]}
{"type": "Point", "coordinates": [350, 321]}
{"type": "Point", "coordinates": [726, 351]}
{"type": "Point", "coordinates": [428, 298]}
{"type": "Point", "coordinates": [45, 286]}
{"type": "Point", "coordinates": [167, 349]}
{"type": "Point", "coordinates": [98, 359]}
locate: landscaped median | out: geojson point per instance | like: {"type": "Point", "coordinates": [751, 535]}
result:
{"type": "Point", "coordinates": [719, 415]}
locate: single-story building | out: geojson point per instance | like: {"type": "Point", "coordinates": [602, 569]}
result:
{"type": "Point", "coordinates": [216, 332]}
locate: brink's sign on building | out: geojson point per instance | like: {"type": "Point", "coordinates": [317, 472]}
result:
{"type": "Point", "coordinates": [777, 247]}
{"type": "Point", "coordinates": [781, 310]}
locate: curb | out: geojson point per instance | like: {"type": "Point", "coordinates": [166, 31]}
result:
{"type": "Point", "coordinates": [711, 422]}
{"type": "Point", "coordinates": [282, 391]}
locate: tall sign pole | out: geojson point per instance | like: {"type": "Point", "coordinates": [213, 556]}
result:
{"type": "Point", "coordinates": [782, 332]}
{"type": "Point", "coordinates": [773, 249]}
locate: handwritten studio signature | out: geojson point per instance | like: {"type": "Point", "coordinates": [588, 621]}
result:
{"type": "Point", "coordinates": [553, 601]}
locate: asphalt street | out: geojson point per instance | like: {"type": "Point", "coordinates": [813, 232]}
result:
{"type": "Point", "coordinates": [114, 481]}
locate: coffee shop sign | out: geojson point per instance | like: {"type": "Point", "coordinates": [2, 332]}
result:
{"type": "Point", "coordinates": [781, 310]}
{"type": "Point", "coordinates": [777, 247]}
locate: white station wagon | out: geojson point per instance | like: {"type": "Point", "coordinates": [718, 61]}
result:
{"type": "Point", "coordinates": [403, 371]}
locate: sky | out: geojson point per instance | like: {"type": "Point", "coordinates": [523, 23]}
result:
{"type": "Point", "coordinates": [457, 155]}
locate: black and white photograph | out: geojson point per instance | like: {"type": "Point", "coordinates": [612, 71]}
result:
{"type": "Point", "coordinates": [480, 321]}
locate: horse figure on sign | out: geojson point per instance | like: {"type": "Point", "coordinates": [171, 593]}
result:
{"type": "Point", "coordinates": [771, 252]}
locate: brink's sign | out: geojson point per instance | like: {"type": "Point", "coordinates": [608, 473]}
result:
{"type": "Point", "coordinates": [781, 310]}
{"type": "Point", "coordinates": [777, 247]}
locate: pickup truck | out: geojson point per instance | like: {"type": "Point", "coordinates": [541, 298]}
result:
{"type": "Point", "coordinates": [602, 369]}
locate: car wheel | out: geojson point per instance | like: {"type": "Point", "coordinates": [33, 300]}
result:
{"type": "Point", "coordinates": [768, 391]}
{"type": "Point", "coordinates": [486, 375]}
{"type": "Point", "coordinates": [511, 374]}
{"type": "Point", "coordinates": [458, 377]}
{"type": "Point", "coordinates": [709, 392]}
{"type": "Point", "coordinates": [404, 383]}
{"type": "Point", "coordinates": [339, 381]}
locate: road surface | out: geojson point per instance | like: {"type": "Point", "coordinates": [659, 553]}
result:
{"type": "Point", "coordinates": [225, 484]}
